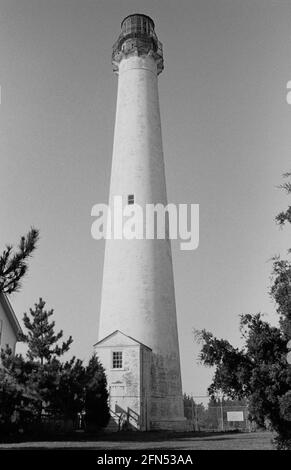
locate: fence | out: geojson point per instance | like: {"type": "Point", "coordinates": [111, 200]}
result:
{"type": "Point", "coordinates": [202, 413]}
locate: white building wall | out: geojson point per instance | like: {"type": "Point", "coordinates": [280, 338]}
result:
{"type": "Point", "coordinates": [129, 388]}
{"type": "Point", "coordinates": [123, 384]}
{"type": "Point", "coordinates": [7, 334]}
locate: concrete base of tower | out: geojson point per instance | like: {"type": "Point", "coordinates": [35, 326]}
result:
{"type": "Point", "coordinates": [178, 424]}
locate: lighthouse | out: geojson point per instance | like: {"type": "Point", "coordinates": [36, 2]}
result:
{"type": "Point", "coordinates": [138, 339]}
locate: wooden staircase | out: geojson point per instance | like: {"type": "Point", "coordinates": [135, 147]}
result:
{"type": "Point", "coordinates": [121, 420]}
{"type": "Point", "coordinates": [112, 425]}
{"type": "Point", "coordinates": [115, 422]}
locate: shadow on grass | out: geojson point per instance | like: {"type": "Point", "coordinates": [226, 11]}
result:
{"type": "Point", "coordinates": [124, 436]}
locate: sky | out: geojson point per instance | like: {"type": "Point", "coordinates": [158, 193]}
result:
{"type": "Point", "coordinates": [226, 138]}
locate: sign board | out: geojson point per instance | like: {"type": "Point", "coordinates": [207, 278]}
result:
{"type": "Point", "coordinates": [235, 416]}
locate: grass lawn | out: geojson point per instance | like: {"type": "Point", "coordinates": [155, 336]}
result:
{"type": "Point", "coordinates": [156, 440]}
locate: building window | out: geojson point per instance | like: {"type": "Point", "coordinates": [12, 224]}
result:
{"type": "Point", "coordinates": [130, 199]}
{"type": "Point", "coordinates": [117, 360]}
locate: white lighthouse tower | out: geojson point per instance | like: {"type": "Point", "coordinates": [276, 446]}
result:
{"type": "Point", "coordinates": [138, 340]}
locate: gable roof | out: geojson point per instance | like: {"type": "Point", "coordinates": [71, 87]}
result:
{"type": "Point", "coordinates": [127, 336]}
{"type": "Point", "coordinates": [10, 314]}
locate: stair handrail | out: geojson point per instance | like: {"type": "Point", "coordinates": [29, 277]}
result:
{"type": "Point", "coordinates": [133, 414]}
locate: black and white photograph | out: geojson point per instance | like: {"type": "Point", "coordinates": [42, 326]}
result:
{"type": "Point", "coordinates": [145, 231]}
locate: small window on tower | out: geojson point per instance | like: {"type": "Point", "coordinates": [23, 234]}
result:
{"type": "Point", "coordinates": [130, 199]}
{"type": "Point", "coordinates": [117, 360]}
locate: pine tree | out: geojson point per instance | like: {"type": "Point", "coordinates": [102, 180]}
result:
{"type": "Point", "coordinates": [41, 338]}
{"type": "Point", "coordinates": [96, 394]}
{"type": "Point", "coordinates": [41, 383]}
{"type": "Point", "coordinates": [13, 266]}
{"type": "Point", "coordinates": [17, 396]}
{"type": "Point", "coordinates": [67, 397]}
